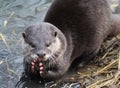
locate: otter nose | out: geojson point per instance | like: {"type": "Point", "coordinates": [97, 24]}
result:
{"type": "Point", "coordinates": [41, 54]}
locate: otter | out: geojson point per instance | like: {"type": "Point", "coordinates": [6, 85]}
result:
{"type": "Point", "coordinates": [71, 34]}
{"type": "Point", "coordinates": [44, 46]}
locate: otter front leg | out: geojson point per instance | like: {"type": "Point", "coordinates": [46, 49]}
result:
{"type": "Point", "coordinates": [54, 73]}
{"type": "Point", "coordinates": [31, 65]}
{"type": "Point", "coordinates": [51, 75]}
{"type": "Point", "coordinates": [81, 61]}
{"type": "Point", "coordinates": [86, 58]}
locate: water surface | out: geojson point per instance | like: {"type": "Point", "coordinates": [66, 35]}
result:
{"type": "Point", "coordinates": [15, 16]}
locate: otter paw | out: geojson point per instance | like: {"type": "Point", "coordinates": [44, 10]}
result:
{"type": "Point", "coordinates": [33, 66]}
{"type": "Point", "coordinates": [41, 68]}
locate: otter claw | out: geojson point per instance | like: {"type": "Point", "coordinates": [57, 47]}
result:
{"type": "Point", "coordinates": [41, 72]}
{"type": "Point", "coordinates": [40, 64]}
{"type": "Point", "coordinates": [41, 68]}
{"type": "Point", "coordinates": [32, 67]}
{"type": "Point", "coordinates": [34, 61]}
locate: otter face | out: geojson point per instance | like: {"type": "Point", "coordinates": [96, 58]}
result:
{"type": "Point", "coordinates": [42, 40]}
{"type": "Point", "coordinates": [43, 45]}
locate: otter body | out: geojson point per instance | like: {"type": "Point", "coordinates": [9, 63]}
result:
{"type": "Point", "coordinates": [77, 28]}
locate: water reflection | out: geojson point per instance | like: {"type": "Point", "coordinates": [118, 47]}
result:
{"type": "Point", "coordinates": [15, 16]}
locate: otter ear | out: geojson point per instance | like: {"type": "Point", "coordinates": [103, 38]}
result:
{"type": "Point", "coordinates": [24, 35]}
{"type": "Point", "coordinates": [55, 33]}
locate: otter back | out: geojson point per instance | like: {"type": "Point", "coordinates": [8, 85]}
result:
{"type": "Point", "coordinates": [75, 29]}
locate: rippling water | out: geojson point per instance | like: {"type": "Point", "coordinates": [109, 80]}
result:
{"type": "Point", "coordinates": [15, 16]}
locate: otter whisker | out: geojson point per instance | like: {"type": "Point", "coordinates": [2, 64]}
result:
{"type": "Point", "coordinates": [57, 54]}
{"type": "Point", "coordinates": [49, 63]}
{"type": "Point", "coordinates": [52, 61]}
{"type": "Point", "coordinates": [54, 58]}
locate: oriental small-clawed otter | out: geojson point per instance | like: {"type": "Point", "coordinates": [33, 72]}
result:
{"type": "Point", "coordinates": [72, 32]}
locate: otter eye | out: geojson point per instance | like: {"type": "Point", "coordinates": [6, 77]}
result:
{"type": "Point", "coordinates": [32, 45]}
{"type": "Point", "coordinates": [48, 44]}
{"type": "Point", "coordinates": [55, 33]}
{"type": "Point", "coordinates": [24, 35]}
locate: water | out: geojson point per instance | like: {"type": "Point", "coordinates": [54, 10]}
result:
{"type": "Point", "coordinates": [15, 16]}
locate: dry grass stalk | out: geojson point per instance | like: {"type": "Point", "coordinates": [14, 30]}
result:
{"type": "Point", "coordinates": [119, 62]}
{"type": "Point", "coordinates": [95, 85]}
{"type": "Point", "coordinates": [106, 67]}
{"type": "Point", "coordinates": [6, 21]}
{"type": "Point", "coordinates": [4, 40]}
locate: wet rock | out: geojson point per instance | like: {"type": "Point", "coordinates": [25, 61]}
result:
{"type": "Point", "coordinates": [75, 85]}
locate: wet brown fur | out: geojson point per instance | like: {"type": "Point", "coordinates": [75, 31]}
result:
{"type": "Point", "coordinates": [85, 24]}
{"type": "Point", "coordinates": [88, 22]}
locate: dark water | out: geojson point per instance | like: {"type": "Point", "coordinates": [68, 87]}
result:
{"type": "Point", "coordinates": [15, 16]}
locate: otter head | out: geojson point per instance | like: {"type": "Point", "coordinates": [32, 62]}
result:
{"type": "Point", "coordinates": [45, 43]}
